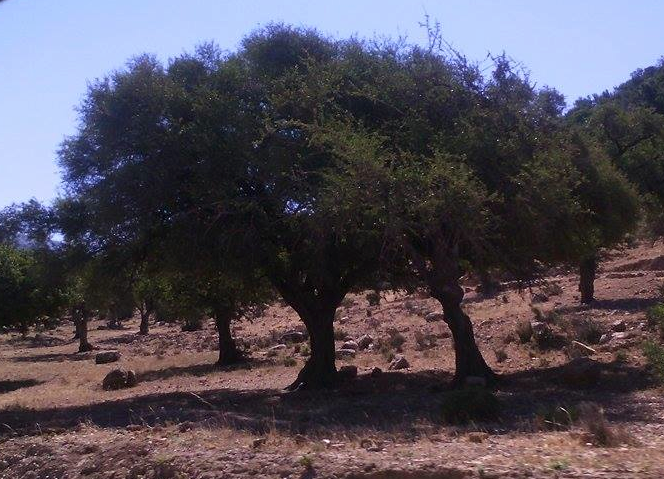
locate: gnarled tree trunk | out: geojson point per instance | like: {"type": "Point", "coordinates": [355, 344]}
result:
{"type": "Point", "coordinates": [228, 350]}
{"type": "Point", "coordinates": [320, 370]}
{"type": "Point", "coordinates": [81, 316]}
{"type": "Point", "coordinates": [438, 264]}
{"type": "Point", "coordinates": [468, 358]}
{"type": "Point", "coordinates": [587, 273]}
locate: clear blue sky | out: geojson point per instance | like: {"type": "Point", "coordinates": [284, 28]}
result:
{"type": "Point", "coordinates": [50, 49]}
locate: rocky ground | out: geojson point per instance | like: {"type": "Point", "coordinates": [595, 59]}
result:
{"type": "Point", "coordinates": [187, 418]}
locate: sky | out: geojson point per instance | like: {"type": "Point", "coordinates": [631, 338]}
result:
{"type": "Point", "coordinates": [50, 50]}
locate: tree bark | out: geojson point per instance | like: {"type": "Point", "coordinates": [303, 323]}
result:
{"type": "Point", "coordinates": [320, 370]}
{"type": "Point", "coordinates": [81, 320]}
{"type": "Point", "coordinates": [144, 327]}
{"type": "Point", "coordinates": [468, 358]}
{"type": "Point", "coordinates": [228, 350]}
{"type": "Point", "coordinates": [587, 273]}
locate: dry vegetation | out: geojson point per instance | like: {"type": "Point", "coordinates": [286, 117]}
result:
{"type": "Point", "coordinates": [562, 411]}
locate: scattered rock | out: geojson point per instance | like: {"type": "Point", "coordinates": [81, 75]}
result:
{"type": "Point", "coordinates": [350, 345]}
{"type": "Point", "coordinates": [105, 357]}
{"type": "Point", "coordinates": [364, 342]}
{"type": "Point", "coordinates": [605, 338]}
{"type": "Point", "coordinates": [293, 337]}
{"type": "Point", "coordinates": [345, 353]}
{"type": "Point", "coordinates": [399, 362]}
{"type": "Point", "coordinates": [434, 317]}
{"type": "Point", "coordinates": [119, 379]}
{"type": "Point", "coordinates": [581, 349]}
{"type": "Point", "coordinates": [619, 326]}
{"type": "Point", "coordinates": [348, 372]}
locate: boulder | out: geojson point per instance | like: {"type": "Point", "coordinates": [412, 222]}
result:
{"type": "Point", "coordinates": [293, 337]}
{"type": "Point", "coordinates": [350, 345]}
{"type": "Point", "coordinates": [399, 362]}
{"type": "Point", "coordinates": [106, 357]}
{"type": "Point", "coordinates": [364, 342]}
{"type": "Point", "coordinates": [119, 379]}
{"type": "Point", "coordinates": [345, 353]}
{"type": "Point", "coordinates": [434, 317]}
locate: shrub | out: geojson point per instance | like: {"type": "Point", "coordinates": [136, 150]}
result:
{"type": "Point", "coordinates": [655, 317]}
{"type": "Point", "coordinates": [524, 330]}
{"type": "Point", "coordinates": [585, 330]}
{"type": "Point", "coordinates": [424, 341]}
{"type": "Point", "coordinates": [396, 339]}
{"type": "Point", "coordinates": [470, 404]}
{"type": "Point", "coordinates": [373, 298]}
{"type": "Point", "coordinates": [654, 353]}
{"type": "Point", "coordinates": [598, 431]}
{"type": "Point", "coordinates": [289, 362]}
{"type": "Point", "coordinates": [556, 418]}
{"type": "Point", "coordinates": [340, 334]}
{"type": "Point", "coordinates": [501, 355]}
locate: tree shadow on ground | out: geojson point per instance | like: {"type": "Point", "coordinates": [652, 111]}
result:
{"type": "Point", "coordinates": [393, 402]}
{"type": "Point", "coordinates": [9, 386]}
{"type": "Point", "coordinates": [201, 369]}
{"type": "Point", "coordinates": [52, 357]}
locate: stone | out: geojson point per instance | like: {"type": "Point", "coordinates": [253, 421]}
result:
{"type": "Point", "coordinates": [106, 357]}
{"type": "Point", "coordinates": [582, 349]}
{"type": "Point", "coordinates": [119, 379]}
{"type": "Point", "coordinates": [293, 337]}
{"type": "Point", "coordinates": [605, 338]}
{"type": "Point", "coordinates": [619, 326]}
{"type": "Point", "coordinates": [434, 317]}
{"type": "Point", "coordinates": [364, 342]}
{"type": "Point", "coordinates": [345, 353]}
{"type": "Point", "coordinates": [399, 362]}
{"type": "Point", "coordinates": [475, 382]}
{"type": "Point", "coordinates": [258, 442]}
{"type": "Point", "coordinates": [347, 372]}
{"type": "Point", "coordinates": [350, 345]}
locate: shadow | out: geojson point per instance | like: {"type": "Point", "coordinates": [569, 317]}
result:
{"type": "Point", "coordinates": [9, 386]}
{"type": "Point", "coordinates": [399, 403]}
{"type": "Point", "coordinates": [534, 390]}
{"type": "Point", "coordinates": [621, 304]}
{"type": "Point", "coordinates": [53, 357]}
{"type": "Point", "coordinates": [127, 338]}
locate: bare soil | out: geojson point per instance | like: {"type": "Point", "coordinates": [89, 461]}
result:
{"type": "Point", "coordinates": [187, 418]}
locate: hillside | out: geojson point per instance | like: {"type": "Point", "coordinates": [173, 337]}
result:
{"type": "Point", "coordinates": [187, 418]}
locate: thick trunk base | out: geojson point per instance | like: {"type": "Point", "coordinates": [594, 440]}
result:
{"type": "Point", "coordinates": [319, 371]}
{"type": "Point", "coordinates": [588, 272]}
{"type": "Point", "coordinates": [228, 351]}
{"type": "Point", "coordinates": [469, 361]}
{"type": "Point", "coordinates": [144, 328]}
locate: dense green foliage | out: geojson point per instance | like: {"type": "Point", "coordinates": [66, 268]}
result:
{"type": "Point", "coordinates": [309, 167]}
